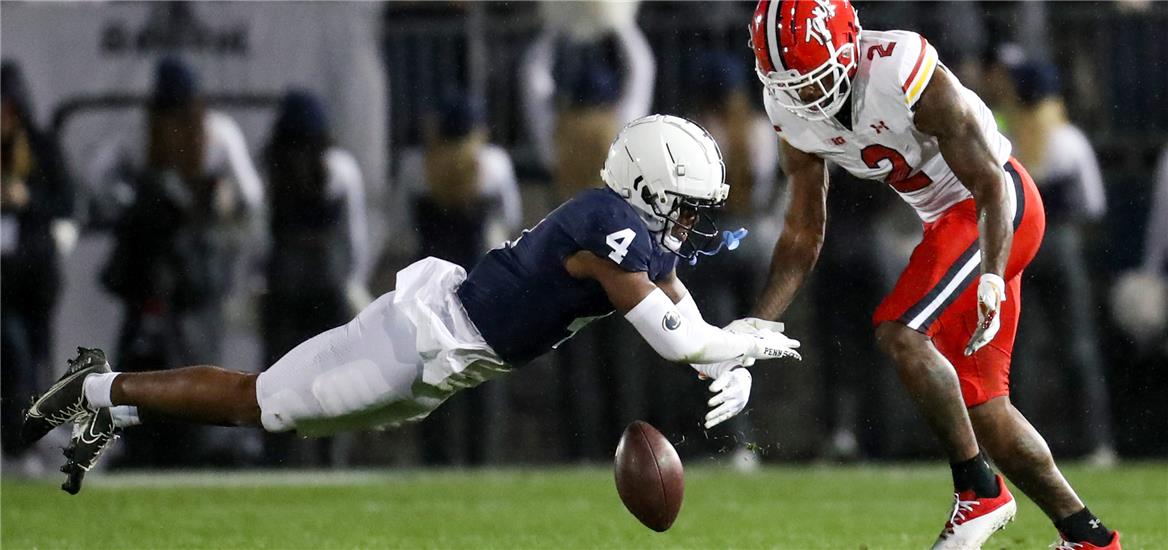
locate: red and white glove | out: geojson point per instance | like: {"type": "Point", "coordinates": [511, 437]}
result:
{"type": "Point", "coordinates": [991, 293]}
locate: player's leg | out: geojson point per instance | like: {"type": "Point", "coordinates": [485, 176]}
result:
{"type": "Point", "coordinates": [203, 394]}
{"type": "Point", "coordinates": [936, 281]}
{"type": "Point", "coordinates": [86, 393]}
{"type": "Point", "coordinates": [934, 387]}
{"type": "Point", "coordinates": [199, 394]}
{"type": "Point", "coordinates": [1010, 440]}
{"type": "Point", "coordinates": [982, 504]}
{"type": "Point", "coordinates": [1023, 456]}
{"type": "Point", "coordinates": [940, 265]}
{"type": "Point", "coordinates": [1015, 446]}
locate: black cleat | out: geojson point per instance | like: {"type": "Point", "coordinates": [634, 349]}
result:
{"type": "Point", "coordinates": [90, 439]}
{"type": "Point", "coordinates": [64, 401]}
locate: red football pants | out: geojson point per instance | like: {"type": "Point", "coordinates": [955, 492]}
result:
{"type": "Point", "coordinates": [937, 292]}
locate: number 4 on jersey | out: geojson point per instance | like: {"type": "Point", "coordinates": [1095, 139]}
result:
{"type": "Point", "coordinates": [620, 241]}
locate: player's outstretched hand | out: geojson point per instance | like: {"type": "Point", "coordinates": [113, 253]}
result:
{"type": "Point", "coordinates": [770, 342]}
{"type": "Point", "coordinates": [731, 393]}
{"type": "Point", "coordinates": [991, 293]}
{"type": "Point", "coordinates": [754, 325]}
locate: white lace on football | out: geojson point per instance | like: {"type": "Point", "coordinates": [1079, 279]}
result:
{"type": "Point", "coordinates": [1063, 544]}
{"type": "Point", "coordinates": [960, 508]}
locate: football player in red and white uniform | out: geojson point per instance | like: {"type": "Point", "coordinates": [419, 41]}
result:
{"type": "Point", "coordinates": [882, 106]}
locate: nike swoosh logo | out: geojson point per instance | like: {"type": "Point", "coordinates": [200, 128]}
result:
{"type": "Point", "coordinates": [89, 437]}
{"type": "Point", "coordinates": [34, 410]}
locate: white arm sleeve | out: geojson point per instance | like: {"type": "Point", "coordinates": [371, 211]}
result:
{"type": "Point", "coordinates": [689, 308]}
{"type": "Point", "coordinates": [678, 338]}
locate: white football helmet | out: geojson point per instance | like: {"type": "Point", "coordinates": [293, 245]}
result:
{"type": "Point", "coordinates": [671, 171]}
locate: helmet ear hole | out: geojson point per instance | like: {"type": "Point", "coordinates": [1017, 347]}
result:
{"type": "Point", "coordinates": [647, 195]}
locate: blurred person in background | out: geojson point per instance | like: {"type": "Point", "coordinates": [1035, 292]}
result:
{"type": "Point", "coordinates": [580, 39]}
{"type": "Point", "coordinates": [462, 199]}
{"type": "Point", "coordinates": [587, 110]}
{"type": "Point", "coordinates": [1067, 174]}
{"type": "Point", "coordinates": [727, 284]}
{"type": "Point", "coordinates": [1139, 301]}
{"type": "Point", "coordinates": [319, 245]}
{"type": "Point", "coordinates": [36, 210]}
{"type": "Point", "coordinates": [998, 87]}
{"type": "Point", "coordinates": [461, 191]}
{"type": "Point", "coordinates": [176, 191]}
{"type": "Point", "coordinates": [1156, 234]}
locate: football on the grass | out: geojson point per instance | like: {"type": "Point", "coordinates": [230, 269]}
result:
{"type": "Point", "coordinates": [649, 476]}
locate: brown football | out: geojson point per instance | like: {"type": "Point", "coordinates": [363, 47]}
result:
{"type": "Point", "coordinates": [649, 476]}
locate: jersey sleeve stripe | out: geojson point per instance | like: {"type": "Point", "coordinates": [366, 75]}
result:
{"type": "Point", "coordinates": [922, 79]}
{"type": "Point", "coordinates": [917, 66]}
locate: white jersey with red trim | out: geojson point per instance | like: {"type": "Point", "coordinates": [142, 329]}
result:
{"type": "Point", "coordinates": [884, 143]}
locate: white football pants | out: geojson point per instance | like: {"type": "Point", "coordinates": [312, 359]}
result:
{"type": "Point", "coordinates": [399, 359]}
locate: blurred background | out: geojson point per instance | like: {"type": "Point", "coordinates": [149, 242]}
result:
{"type": "Point", "coordinates": [193, 183]}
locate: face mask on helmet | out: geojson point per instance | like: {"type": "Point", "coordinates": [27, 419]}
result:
{"type": "Point", "coordinates": [687, 228]}
{"type": "Point", "coordinates": [818, 95]}
{"type": "Point", "coordinates": [805, 54]}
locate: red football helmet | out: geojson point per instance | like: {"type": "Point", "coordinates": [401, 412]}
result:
{"type": "Point", "coordinates": [802, 44]}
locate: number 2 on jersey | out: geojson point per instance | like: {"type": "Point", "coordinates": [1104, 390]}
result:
{"type": "Point", "coordinates": [898, 177]}
{"type": "Point", "coordinates": [620, 241]}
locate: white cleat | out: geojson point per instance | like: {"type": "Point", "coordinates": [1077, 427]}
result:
{"type": "Point", "coordinates": [974, 519]}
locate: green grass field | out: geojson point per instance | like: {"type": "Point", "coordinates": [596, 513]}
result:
{"type": "Point", "coordinates": [782, 507]}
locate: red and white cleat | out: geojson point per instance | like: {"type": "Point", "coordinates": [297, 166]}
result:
{"type": "Point", "coordinates": [974, 519]}
{"type": "Point", "coordinates": [1063, 544]}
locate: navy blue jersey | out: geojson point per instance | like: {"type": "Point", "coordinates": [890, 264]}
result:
{"type": "Point", "coordinates": [521, 297]}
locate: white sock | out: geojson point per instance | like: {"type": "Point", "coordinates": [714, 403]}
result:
{"type": "Point", "coordinates": [97, 389]}
{"type": "Point", "coordinates": [125, 415]}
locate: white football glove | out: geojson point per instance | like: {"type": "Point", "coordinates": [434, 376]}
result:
{"type": "Point", "coordinates": [738, 326]}
{"type": "Point", "coordinates": [714, 371]}
{"type": "Point", "coordinates": [991, 293]}
{"type": "Point", "coordinates": [753, 325]}
{"type": "Point", "coordinates": [732, 391]}
{"type": "Point", "coordinates": [769, 340]}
